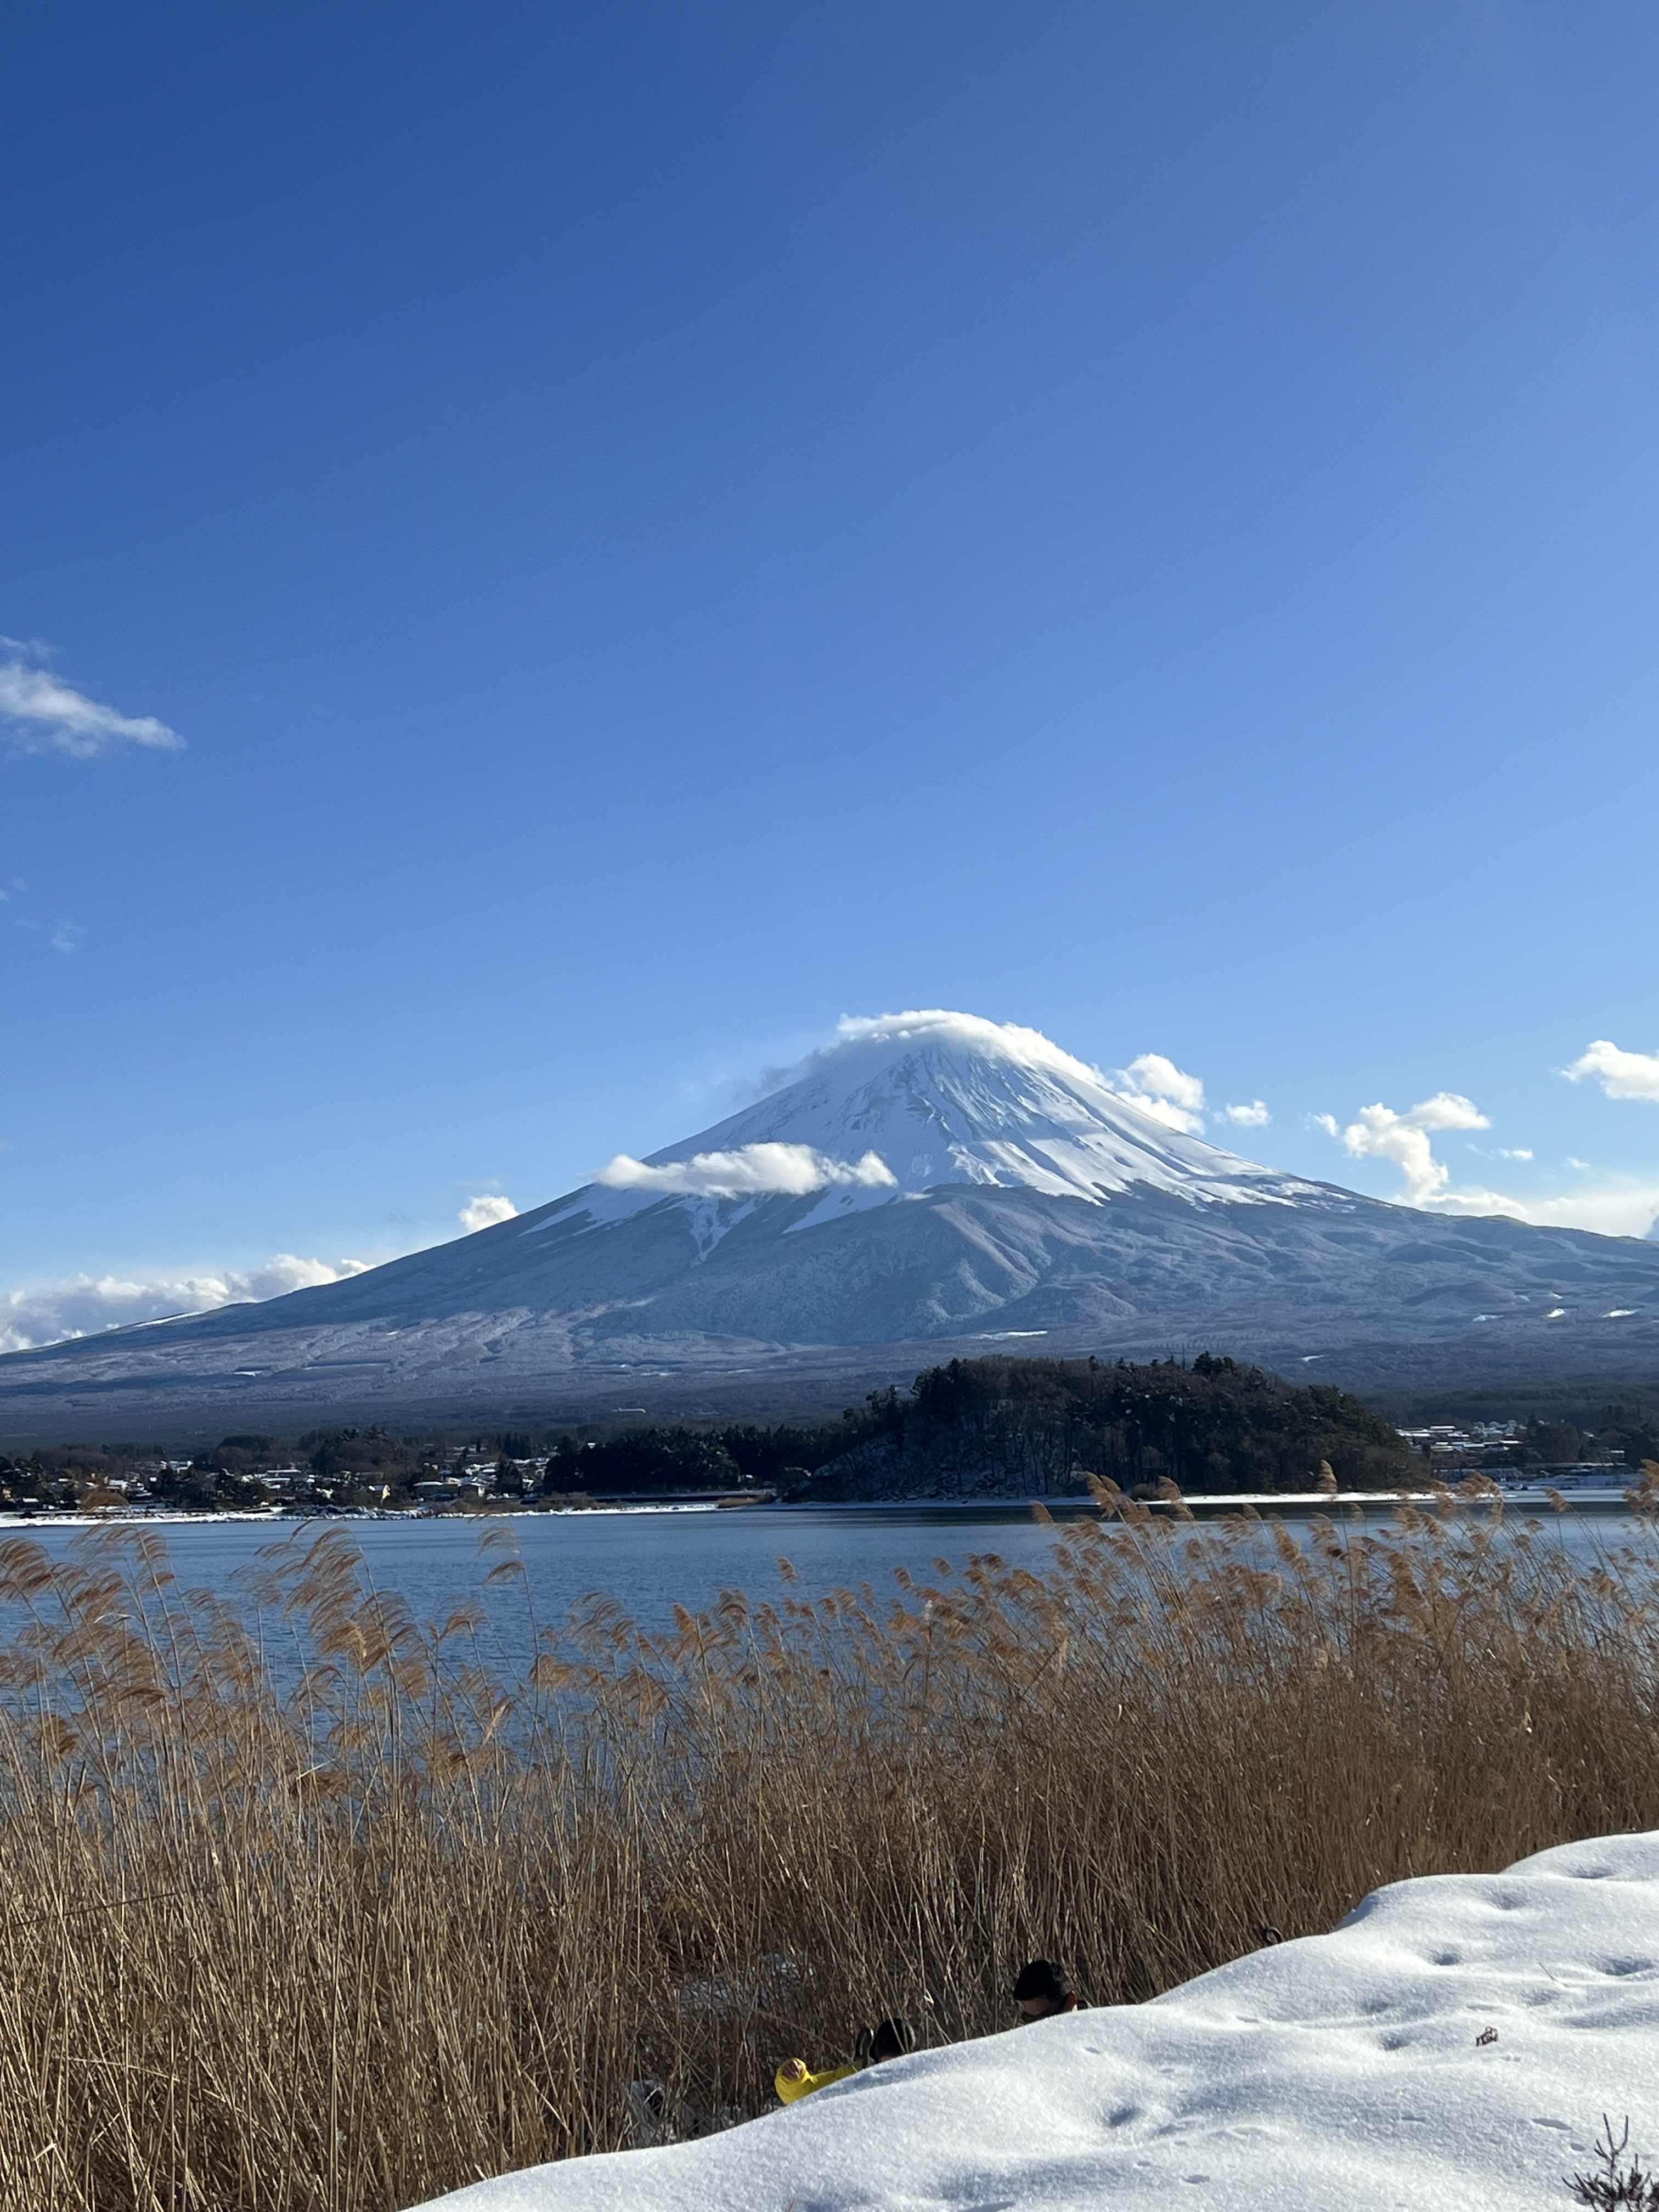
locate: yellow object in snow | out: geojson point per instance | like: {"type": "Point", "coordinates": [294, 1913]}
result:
{"type": "Point", "coordinates": [793, 2086]}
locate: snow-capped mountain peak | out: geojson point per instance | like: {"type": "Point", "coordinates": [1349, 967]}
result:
{"type": "Point", "coordinates": [904, 1104]}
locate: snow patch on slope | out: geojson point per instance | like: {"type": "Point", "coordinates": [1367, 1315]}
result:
{"type": "Point", "coordinates": [1454, 2043]}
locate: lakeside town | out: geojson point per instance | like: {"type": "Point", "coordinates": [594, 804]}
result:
{"type": "Point", "coordinates": [371, 1474]}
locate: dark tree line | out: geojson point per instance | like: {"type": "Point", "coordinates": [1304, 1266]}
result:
{"type": "Point", "coordinates": [1629, 1429]}
{"type": "Point", "coordinates": [1024, 1427]}
{"type": "Point", "coordinates": [982, 1426]}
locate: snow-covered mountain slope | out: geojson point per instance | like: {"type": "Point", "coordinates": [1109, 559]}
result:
{"type": "Point", "coordinates": [931, 1185]}
{"type": "Point", "coordinates": [1454, 2043]}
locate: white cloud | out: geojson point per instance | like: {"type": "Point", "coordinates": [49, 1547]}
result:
{"type": "Point", "coordinates": [1159, 1088]}
{"type": "Point", "coordinates": [1253, 1116]}
{"type": "Point", "coordinates": [48, 715]}
{"type": "Point", "coordinates": [485, 1211]}
{"type": "Point", "coordinates": [1380, 1133]}
{"type": "Point", "coordinates": [66, 937]}
{"type": "Point", "coordinates": [1030, 1046]}
{"type": "Point", "coordinates": [1518, 1152]}
{"type": "Point", "coordinates": [1447, 1109]}
{"type": "Point", "coordinates": [1618, 1207]}
{"type": "Point", "coordinates": [751, 1171]}
{"type": "Point", "coordinates": [1007, 1040]}
{"type": "Point", "coordinates": [1611, 1209]}
{"type": "Point", "coordinates": [1621, 1074]}
{"type": "Point", "coordinates": [91, 1304]}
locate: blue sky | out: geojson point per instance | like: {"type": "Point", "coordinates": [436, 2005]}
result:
{"type": "Point", "coordinates": [658, 527]}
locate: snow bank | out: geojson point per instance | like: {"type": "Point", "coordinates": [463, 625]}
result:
{"type": "Point", "coordinates": [1342, 2071]}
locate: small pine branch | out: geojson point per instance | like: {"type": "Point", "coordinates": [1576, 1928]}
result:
{"type": "Point", "coordinates": [1617, 2183]}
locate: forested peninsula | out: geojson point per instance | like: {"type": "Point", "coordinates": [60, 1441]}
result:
{"type": "Point", "coordinates": [988, 1428]}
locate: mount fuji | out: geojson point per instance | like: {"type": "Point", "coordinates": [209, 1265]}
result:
{"type": "Point", "coordinates": [933, 1185]}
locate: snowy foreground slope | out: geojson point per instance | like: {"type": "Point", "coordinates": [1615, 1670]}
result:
{"type": "Point", "coordinates": [1342, 2071]}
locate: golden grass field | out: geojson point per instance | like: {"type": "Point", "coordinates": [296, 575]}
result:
{"type": "Point", "coordinates": [337, 1936]}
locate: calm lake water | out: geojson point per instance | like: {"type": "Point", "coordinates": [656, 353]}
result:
{"type": "Point", "coordinates": [652, 1562]}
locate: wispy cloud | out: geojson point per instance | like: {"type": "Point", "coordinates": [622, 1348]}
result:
{"type": "Point", "coordinates": [66, 937]}
{"type": "Point", "coordinates": [1622, 1206]}
{"type": "Point", "coordinates": [750, 1172]}
{"type": "Point", "coordinates": [1159, 1088]}
{"type": "Point", "coordinates": [47, 715]}
{"type": "Point", "coordinates": [91, 1304]}
{"type": "Point", "coordinates": [485, 1211]}
{"type": "Point", "coordinates": [1253, 1116]}
{"type": "Point", "coordinates": [1621, 1074]}
{"type": "Point", "coordinates": [1380, 1133]}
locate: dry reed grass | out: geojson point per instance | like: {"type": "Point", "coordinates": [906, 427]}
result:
{"type": "Point", "coordinates": [282, 1939]}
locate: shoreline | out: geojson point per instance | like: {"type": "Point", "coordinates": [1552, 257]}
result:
{"type": "Point", "coordinates": [1202, 1506]}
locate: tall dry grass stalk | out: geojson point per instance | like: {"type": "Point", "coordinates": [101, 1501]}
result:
{"type": "Point", "coordinates": [345, 1934]}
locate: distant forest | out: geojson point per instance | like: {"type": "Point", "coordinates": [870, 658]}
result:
{"type": "Point", "coordinates": [1025, 1428]}
{"type": "Point", "coordinates": [993, 1427]}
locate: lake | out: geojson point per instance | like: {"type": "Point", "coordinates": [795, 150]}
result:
{"type": "Point", "coordinates": [650, 1562]}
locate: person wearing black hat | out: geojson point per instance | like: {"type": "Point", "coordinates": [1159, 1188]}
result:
{"type": "Point", "coordinates": [888, 2038]}
{"type": "Point", "coordinates": [1041, 1988]}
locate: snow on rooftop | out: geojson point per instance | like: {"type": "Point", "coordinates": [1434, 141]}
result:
{"type": "Point", "coordinates": [1451, 2047]}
